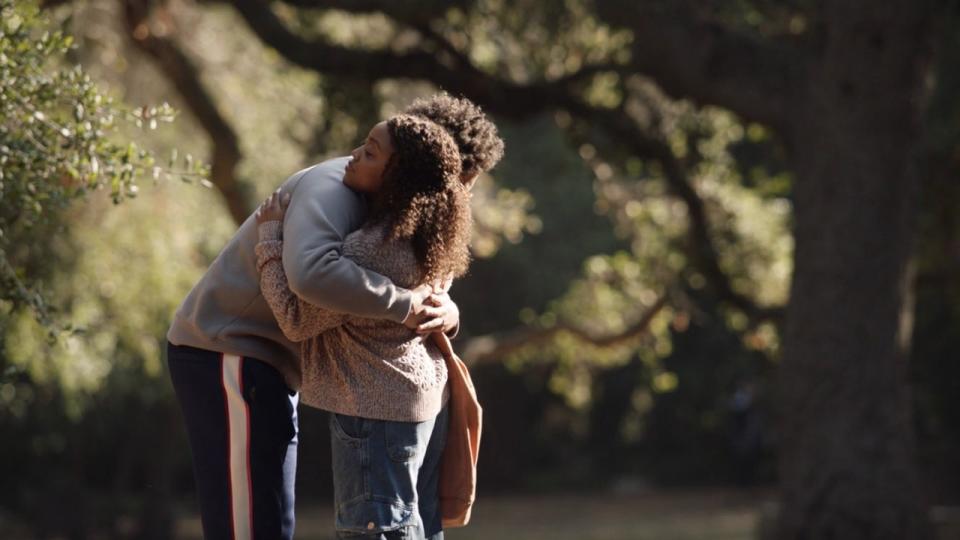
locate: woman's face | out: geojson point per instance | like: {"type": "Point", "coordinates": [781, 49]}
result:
{"type": "Point", "coordinates": [365, 171]}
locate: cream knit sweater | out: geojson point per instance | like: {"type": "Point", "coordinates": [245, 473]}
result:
{"type": "Point", "coordinates": [372, 368]}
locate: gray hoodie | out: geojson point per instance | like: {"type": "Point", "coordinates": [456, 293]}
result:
{"type": "Point", "coordinates": [226, 312]}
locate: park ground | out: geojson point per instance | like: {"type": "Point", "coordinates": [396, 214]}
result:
{"type": "Point", "coordinates": [670, 515]}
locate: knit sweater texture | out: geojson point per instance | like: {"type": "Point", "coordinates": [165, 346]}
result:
{"type": "Point", "coordinates": [353, 365]}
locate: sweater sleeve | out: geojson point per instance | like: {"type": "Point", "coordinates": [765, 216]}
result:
{"type": "Point", "coordinates": [297, 319]}
{"type": "Point", "coordinates": [322, 212]}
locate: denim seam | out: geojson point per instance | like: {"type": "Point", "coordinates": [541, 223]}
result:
{"type": "Point", "coordinates": [344, 436]}
{"type": "Point", "coordinates": [365, 466]}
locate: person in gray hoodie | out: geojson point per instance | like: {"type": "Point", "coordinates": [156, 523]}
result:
{"type": "Point", "coordinates": [236, 375]}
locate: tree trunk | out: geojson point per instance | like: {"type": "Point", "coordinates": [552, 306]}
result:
{"type": "Point", "coordinates": [847, 459]}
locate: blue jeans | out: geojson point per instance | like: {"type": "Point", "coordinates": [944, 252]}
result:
{"type": "Point", "coordinates": [385, 477]}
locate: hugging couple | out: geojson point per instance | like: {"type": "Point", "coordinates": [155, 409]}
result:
{"type": "Point", "coordinates": [327, 294]}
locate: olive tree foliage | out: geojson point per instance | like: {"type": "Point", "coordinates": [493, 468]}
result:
{"type": "Point", "coordinates": [626, 305]}
{"type": "Point", "coordinates": [59, 142]}
{"type": "Point", "coordinates": [86, 289]}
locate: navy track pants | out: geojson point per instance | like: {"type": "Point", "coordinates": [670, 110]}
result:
{"type": "Point", "coordinates": [241, 421]}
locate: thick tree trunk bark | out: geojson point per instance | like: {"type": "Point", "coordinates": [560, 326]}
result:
{"type": "Point", "coordinates": [847, 460]}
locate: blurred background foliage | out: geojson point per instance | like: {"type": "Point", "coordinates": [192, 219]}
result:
{"type": "Point", "coordinates": [602, 355]}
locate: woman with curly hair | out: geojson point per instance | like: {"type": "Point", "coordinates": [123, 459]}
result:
{"type": "Point", "coordinates": [384, 385]}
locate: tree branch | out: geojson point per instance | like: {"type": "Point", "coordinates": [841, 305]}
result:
{"type": "Point", "coordinates": [408, 11]}
{"type": "Point", "coordinates": [447, 71]}
{"type": "Point", "coordinates": [704, 61]}
{"type": "Point", "coordinates": [183, 76]}
{"type": "Point", "coordinates": [492, 348]}
{"type": "Point", "coordinates": [641, 144]}
{"type": "Point", "coordinates": [708, 63]}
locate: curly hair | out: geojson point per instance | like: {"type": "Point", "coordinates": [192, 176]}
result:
{"type": "Point", "coordinates": [480, 146]}
{"type": "Point", "coordinates": [422, 198]}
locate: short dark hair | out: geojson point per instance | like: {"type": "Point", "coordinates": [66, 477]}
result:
{"type": "Point", "coordinates": [476, 136]}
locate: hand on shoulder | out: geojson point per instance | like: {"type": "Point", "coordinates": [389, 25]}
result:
{"type": "Point", "coordinates": [273, 208]}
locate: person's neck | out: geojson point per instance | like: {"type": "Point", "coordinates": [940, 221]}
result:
{"type": "Point", "coordinates": [371, 199]}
